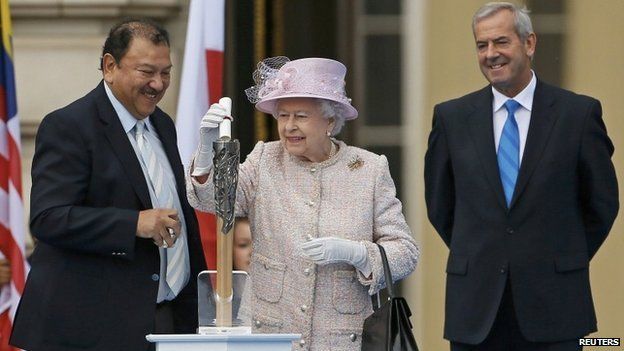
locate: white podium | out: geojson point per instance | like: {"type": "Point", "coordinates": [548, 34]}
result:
{"type": "Point", "coordinates": [197, 342]}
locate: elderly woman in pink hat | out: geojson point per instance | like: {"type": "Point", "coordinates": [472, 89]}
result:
{"type": "Point", "coordinates": [316, 206]}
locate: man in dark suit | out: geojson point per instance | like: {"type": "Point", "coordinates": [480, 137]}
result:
{"type": "Point", "coordinates": [523, 192]}
{"type": "Point", "coordinates": [109, 210]}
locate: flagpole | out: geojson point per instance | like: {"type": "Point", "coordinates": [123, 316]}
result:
{"type": "Point", "coordinates": [226, 160]}
{"type": "Point", "coordinates": [260, 15]}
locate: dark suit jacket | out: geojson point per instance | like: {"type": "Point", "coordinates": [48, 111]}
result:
{"type": "Point", "coordinates": [564, 203]}
{"type": "Point", "coordinates": [93, 283]}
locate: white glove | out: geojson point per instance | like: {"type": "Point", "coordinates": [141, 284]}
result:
{"type": "Point", "coordinates": [208, 133]}
{"type": "Point", "coordinates": [336, 250]}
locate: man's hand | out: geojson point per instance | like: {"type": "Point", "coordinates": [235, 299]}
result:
{"type": "Point", "coordinates": [208, 132]}
{"type": "Point", "coordinates": [162, 225]}
{"type": "Point", "coordinates": [5, 271]}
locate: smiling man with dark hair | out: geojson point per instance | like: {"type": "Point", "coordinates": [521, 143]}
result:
{"type": "Point", "coordinates": [118, 247]}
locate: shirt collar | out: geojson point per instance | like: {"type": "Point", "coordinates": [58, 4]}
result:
{"type": "Point", "coordinates": [128, 121]}
{"type": "Point", "coordinates": [524, 98]}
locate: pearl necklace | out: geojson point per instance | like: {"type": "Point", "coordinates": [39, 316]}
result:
{"type": "Point", "coordinates": [332, 150]}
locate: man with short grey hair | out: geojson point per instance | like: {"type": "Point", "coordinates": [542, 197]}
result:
{"type": "Point", "coordinates": [520, 185]}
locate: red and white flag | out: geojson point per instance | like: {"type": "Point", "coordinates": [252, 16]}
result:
{"type": "Point", "coordinates": [200, 86]}
{"type": "Point", "coordinates": [12, 231]}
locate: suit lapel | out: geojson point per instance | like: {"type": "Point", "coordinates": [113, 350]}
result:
{"type": "Point", "coordinates": [121, 146]}
{"type": "Point", "coordinates": [542, 120]}
{"type": "Point", "coordinates": [481, 125]}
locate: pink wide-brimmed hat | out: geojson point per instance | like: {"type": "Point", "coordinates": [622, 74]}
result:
{"type": "Point", "coordinates": [278, 78]}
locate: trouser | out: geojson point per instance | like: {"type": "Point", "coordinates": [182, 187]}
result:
{"type": "Point", "coordinates": [163, 321]}
{"type": "Point", "coordinates": [505, 334]}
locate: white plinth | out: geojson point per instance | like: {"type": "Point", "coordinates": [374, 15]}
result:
{"type": "Point", "coordinates": [196, 342]}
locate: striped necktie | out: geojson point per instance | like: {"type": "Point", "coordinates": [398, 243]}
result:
{"type": "Point", "coordinates": [177, 258]}
{"type": "Point", "coordinates": [509, 151]}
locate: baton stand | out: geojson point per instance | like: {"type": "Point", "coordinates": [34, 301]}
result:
{"type": "Point", "coordinates": [196, 342]}
{"type": "Point", "coordinates": [237, 336]}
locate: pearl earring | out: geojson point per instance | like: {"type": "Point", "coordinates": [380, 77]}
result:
{"type": "Point", "coordinates": [328, 133]}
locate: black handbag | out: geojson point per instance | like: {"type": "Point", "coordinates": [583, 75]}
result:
{"type": "Point", "coordinates": [388, 328]}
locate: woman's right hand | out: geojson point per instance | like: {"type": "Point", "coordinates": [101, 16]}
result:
{"type": "Point", "coordinates": [213, 117]}
{"type": "Point", "coordinates": [208, 133]}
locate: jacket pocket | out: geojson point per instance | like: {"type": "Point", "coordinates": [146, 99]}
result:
{"type": "Point", "coordinates": [348, 295]}
{"type": "Point", "coordinates": [457, 264]}
{"type": "Point", "coordinates": [346, 339]}
{"type": "Point", "coordinates": [267, 324]}
{"type": "Point", "coordinates": [571, 262]}
{"type": "Point", "coordinates": [268, 278]}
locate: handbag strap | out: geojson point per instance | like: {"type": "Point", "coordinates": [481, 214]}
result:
{"type": "Point", "coordinates": [387, 274]}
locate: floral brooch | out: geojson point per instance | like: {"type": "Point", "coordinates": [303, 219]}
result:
{"type": "Point", "coordinates": [356, 163]}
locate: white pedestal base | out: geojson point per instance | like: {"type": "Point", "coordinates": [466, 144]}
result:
{"type": "Point", "coordinates": [196, 342]}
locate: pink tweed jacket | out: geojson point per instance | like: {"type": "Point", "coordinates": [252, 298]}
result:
{"type": "Point", "coordinates": [289, 201]}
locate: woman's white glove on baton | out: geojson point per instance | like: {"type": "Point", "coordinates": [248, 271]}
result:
{"type": "Point", "coordinates": [208, 133]}
{"type": "Point", "coordinates": [329, 250]}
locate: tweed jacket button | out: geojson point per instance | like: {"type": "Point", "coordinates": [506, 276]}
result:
{"type": "Point", "coordinates": [353, 337]}
{"type": "Point", "coordinates": [309, 237]}
{"type": "Point", "coordinates": [310, 203]}
{"type": "Point", "coordinates": [302, 343]}
{"type": "Point", "coordinates": [313, 169]}
{"type": "Point", "coordinates": [307, 271]}
{"type": "Point", "coordinates": [304, 308]}
{"type": "Point", "coordinates": [155, 277]}
{"type": "Point", "coordinates": [258, 323]}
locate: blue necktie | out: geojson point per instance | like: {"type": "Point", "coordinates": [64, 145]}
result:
{"type": "Point", "coordinates": [509, 151]}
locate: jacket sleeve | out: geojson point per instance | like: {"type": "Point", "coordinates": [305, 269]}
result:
{"type": "Point", "coordinates": [389, 230]}
{"type": "Point", "coordinates": [201, 196]}
{"type": "Point", "coordinates": [599, 188]}
{"type": "Point", "coordinates": [60, 215]}
{"type": "Point", "coordinates": [439, 180]}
